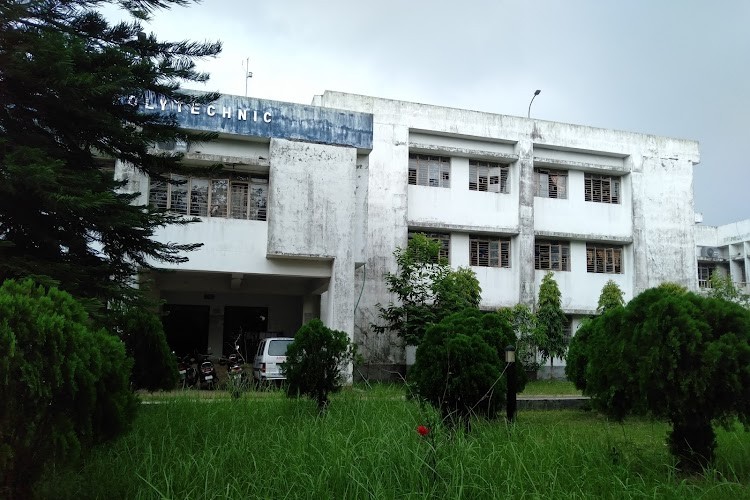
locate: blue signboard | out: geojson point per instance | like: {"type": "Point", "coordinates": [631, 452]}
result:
{"type": "Point", "coordinates": [253, 117]}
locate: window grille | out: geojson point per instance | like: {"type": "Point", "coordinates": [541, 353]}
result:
{"type": "Point", "coordinates": [551, 183]}
{"type": "Point", "coordinates": [431, 171]}
{"type": "Point", "coordinates": [239, 197]}
{"type": "Point", "coordinates": [443, 238]}
{"type": "Point", "coordinates": [199, 197]}
{"type": "Point", "coordinates": [603, 259]}
{"type": "Point", "coordinates": [488, 176]}
{"type": "Point", "coordinates": [602, 188]}
{"type": "Point", "coordinates": [489, 252]}
{"type": "Point", "coordinates": [704, 275]}
{"type": "Point", "coordinates": [552, 255]}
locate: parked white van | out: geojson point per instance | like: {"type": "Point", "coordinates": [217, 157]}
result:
{"type": "Point", "coordinates": [270, 358]}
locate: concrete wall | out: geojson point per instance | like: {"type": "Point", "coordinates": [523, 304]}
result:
{"type": "Point", "coordinates": [313, 213]}
{"type": "Point", "coordinates": [654, 222]}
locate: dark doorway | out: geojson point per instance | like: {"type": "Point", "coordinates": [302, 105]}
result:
{"type": "Point", "coordinates": [247, 323]}
{"type": "Point", "coordinates": [186, 327]}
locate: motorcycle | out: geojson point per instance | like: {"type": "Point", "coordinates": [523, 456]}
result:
{"type": "Point", "coordinates": [207, 374]}
{"type": "Point", "coordinates": [236, 376]}
{"type": "Point", "coordinates": [188, 373]}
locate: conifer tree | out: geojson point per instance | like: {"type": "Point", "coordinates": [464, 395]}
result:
{"type": "Point", "coordinates": [66, 80]}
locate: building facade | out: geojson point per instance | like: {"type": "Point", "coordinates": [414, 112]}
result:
{"type": "Point", "coordinates": [311, 202]}
{"type": "Point", "coordinates": [724, 250]}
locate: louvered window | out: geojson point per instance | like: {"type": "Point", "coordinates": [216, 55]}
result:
{"type": "Point", "coordinates": [552, 255]}
{"type": "Point", "coordinates": [603, 259]}
{"type": "Point", "coordinates": [488, 176]}
{"type": "Point", "coordinates": [551, 183]}
{"type": "Point", "coordinates": [489, 252]}
{"type": "Point", "coordinates": [602, 188]}
{"type": "Point", "coordinates": [443, 238]}
{"type": "Point", "coordinates": [425, 170]}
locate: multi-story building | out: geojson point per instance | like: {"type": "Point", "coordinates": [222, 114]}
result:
{"type": "Point", "coordinates": [725, 250]}
{"type": "Point", "coordinates": [311, 202]}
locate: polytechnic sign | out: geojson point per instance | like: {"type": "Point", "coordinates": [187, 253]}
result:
{"type": "Point", "coordinates": [252, 117]}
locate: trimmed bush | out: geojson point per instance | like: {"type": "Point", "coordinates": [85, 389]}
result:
{"type": "Point", "coordinates": [63, 385]}
{"type": "Point", "coordinates": [154, 366]}
{"type": "Point", "coordinates": [315, 361]}
{"type": "Point", "coordinates": [677, 356]}
{"type": "Point", "coordinates": [459, 365]}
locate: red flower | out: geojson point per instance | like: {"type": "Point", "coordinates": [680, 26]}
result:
{"type": "Point", "coordinates": [422, 430]}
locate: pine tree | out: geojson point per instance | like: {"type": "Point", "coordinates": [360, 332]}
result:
{"type": "Point", "coordinates": [66, 77]}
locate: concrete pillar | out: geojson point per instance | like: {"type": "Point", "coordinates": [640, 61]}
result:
{"type": "Point", "coordinates": [525, 239]}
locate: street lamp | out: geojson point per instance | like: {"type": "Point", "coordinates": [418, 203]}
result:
{"type": "Point", "coordinates": [510, 369]}
{"type": "Point", "coordinates": [536, 93]}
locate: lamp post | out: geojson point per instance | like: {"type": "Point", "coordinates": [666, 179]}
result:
{"type": "Point", "coordinates": [536, 93]}
{"type": "Point", "coordinates": [511, 403]}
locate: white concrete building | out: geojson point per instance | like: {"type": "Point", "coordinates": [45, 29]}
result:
{"type": "Point", "coordinates": [313, 200]}
{"type": "Point", "coordinates": [724, 250]}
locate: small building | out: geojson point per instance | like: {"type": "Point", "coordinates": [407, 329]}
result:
{"type": "Point", "coordinates": [310, 203]}
{"type": "Point", "coordinates": [724, 250]}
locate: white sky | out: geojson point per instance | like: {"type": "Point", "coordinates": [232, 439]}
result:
{"type": "Point", "coordinates": [677, 68]}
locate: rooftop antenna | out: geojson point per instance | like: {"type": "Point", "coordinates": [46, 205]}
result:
{"type": "Point", "coordinates": [248, 74]}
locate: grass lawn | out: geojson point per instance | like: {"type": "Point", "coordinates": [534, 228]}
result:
{"type": "Point", "coordinates": [267, 446]}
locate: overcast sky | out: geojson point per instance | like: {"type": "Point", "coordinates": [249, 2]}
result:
{"type": "Point", "coordinates": [678, 68]}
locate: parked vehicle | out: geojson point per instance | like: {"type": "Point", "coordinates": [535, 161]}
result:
{"type": "Point", "coordinates": [270, 357]}
{"type": "Point", "coordinates": [235, 364]}
{"type": "Point", "coordinates": [187, 371]}
{"type": "Point", "coordinates": [207, 374]}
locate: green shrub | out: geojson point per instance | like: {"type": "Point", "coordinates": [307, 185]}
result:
{"type": "Point", "coordinates": [459, 365]}
{"type": "Point", "coordinates": [63, 385]}
{"type": "Point", "coordinates": [154, 366]}
{"type": "Point", "coordinates": [677, 356]}
{"type": "Point", "coordinates": [315, 361]}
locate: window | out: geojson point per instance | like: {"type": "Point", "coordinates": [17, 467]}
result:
{"type": "Point", "coordinates": [443, 238]}
{"type": "Point", "coordinates": [434, 171]}
{"type": "Point", "coordinates": [568, 329]}
{"type": "Point", "coordinates": [704, 275]}
{"type": "Point", "coordinates": [241, 197]}
{"type": "Point", "coordinates": [552, 255]}
{"type": "Point", "coordinates": [551, 183]}
{"type": "Point", "coordinates": [488, 176]}
{"type": "Point", "coordinates": [603, 259]}
{"type": "Point", "coordinates": [602, 188]}
{"type": "Point", "coordinates": [489, 252]}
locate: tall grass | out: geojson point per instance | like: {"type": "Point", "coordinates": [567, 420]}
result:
{"type": "Point", "coordinates": [368, 447]}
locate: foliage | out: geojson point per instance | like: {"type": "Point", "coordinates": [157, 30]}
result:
{"type": "Point", "coordinates": [155, 366]}
{"type": "Point", "coordinates": [63, 385]}
{"type": "Point", "coordinates": [610, 297]}
{"type": "Point", "coordinates": [524, 324]}
{"type": "Point", "coordinates": [427, 290]}
{"type": "Point", "coordinates": [315, 361]}
{"type": "Point", "coordinates": [677, 356]}
{"type": "Point", "coordinates": [368, 447]}
{"type": "Point", "coordinates": [577, 357]}
{"type": "Point", "coordinates": [550, 320]}
{"type": "Point", "coordinates": [722, 287]}
{"type": "Point", "coordinates": [67, 80]}
{"type": "Point", "coordinates": [459, 365]}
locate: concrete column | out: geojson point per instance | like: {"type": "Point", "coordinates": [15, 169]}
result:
{"type": "Point", "coordinates": [310, 307]}
{"type": "Point", "coordinates": [525, 239]}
